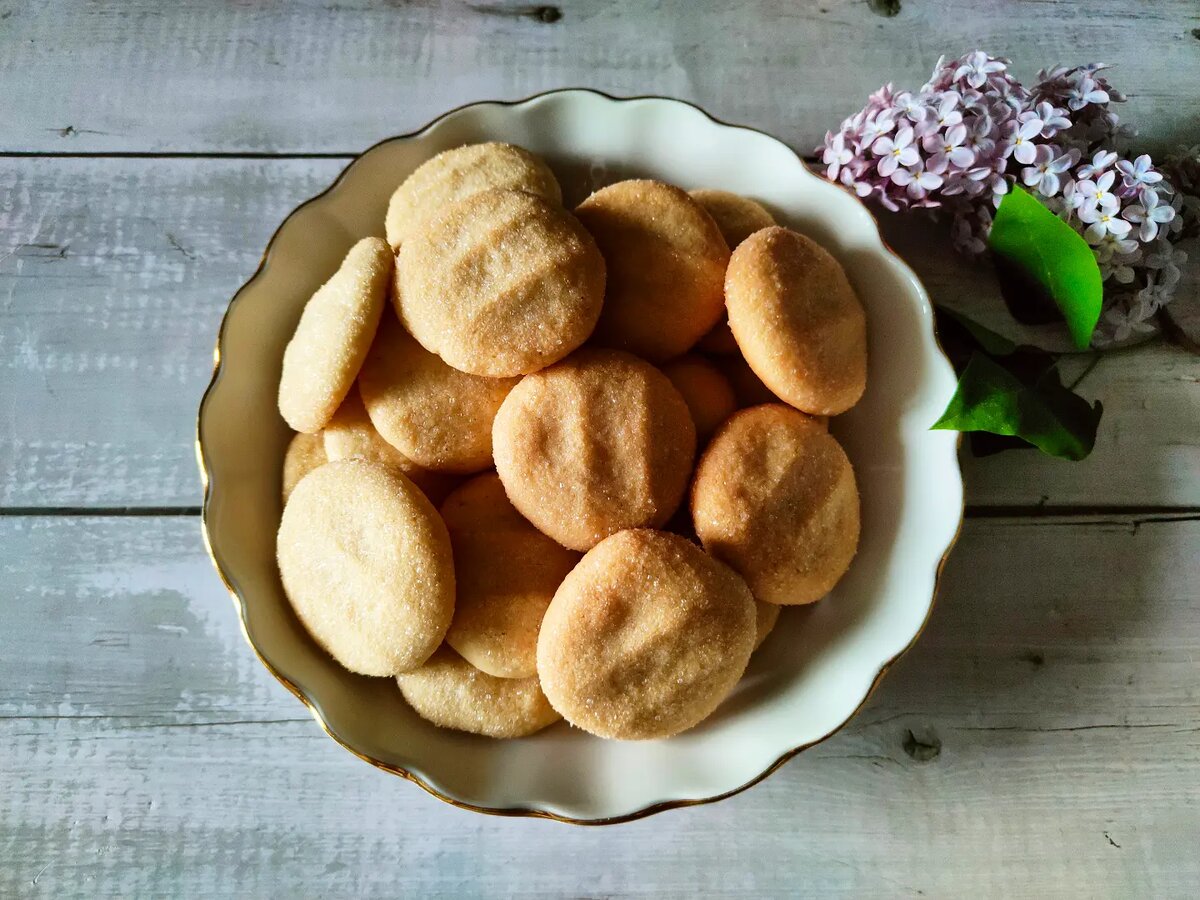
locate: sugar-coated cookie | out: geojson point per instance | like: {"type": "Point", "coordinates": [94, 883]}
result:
{"type": "Point", "coordinates": [738, 217]}
{"type": "Point", "coordinates": [434, 414]}
{"type": "Point", "coordinates": [706, 391]}
{"type": "Point", "coordinates": [749, 390]}
{"type": "Point", "coordinates": [666, 263]}
{"type": "Point", "coordinates": [451, 693]}
{"type": "Point", "coordinates": [775, 497]}
{"type": "Point", "coordinates": [350, 434]}
{"type": "Point", "coordinates": [765, 617]}
{"type": "Point", "coordinates": [645, 637]}
{"type": "Point", "coordinates": [305, 452]}
{"type": "Point", "coordinates": [366, 563]}
{"type": "Point", "coordinates": [334, 334]}
{"type": "Point", "coordinates": [506, 571]}
{"type": "Point", "coordinates": [502, 283]}
{"type": "Point", "coordinates": [798, 321]}
{"type": "Point", "coordinates": [719, 341]}
{"type": "Point", "coordinates": [597, 443]}
{"type": "Point", "coordinates": [457, 174]}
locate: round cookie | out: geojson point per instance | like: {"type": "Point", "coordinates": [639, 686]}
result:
{"type": "Point", "coordinates": [719, 341]}
{"type": "Point", "coordinates": [765, 617]}
{"type": "Point", "coordinates": [738, 217]}
{"type": "Point", "coordinates": [506, 572]}
{"type": "Point", "coordinates": [451, 693]}
{"type": "Point", "coordinates": [775, 497]}
{"type": "Point", "coordinates": [366, 563]}
{"type": "Point", "coordinates": [706, 391]}
{"type": "Point", "coordinates": [435, 415]}
{"type": "Point", "coordinates": [750, 391]}
{"type": "Point", "coordinates": [502, 283]}
{"type": "Point", "coordinates": [457, 174]}
{"type": "Point", "coordinates": [645, 637]}
{"type": "Point", "coordinates": [350, 434]}
{"type": "Point", "coordinates": [597, 443]}
{"type": "Point", "coordinates": [333, 336]}
{"type": "Point", "coordinates": [797, 320]}
{"type": "Point", "coordinates": [305, 452]}
{"type": "Point", "coordinates": [666, 263]}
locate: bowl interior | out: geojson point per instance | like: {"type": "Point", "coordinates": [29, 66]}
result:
{"type": "Point", "coordinates": [820, 662]}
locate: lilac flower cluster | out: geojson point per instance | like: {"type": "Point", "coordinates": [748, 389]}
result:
{"type": "Point", "coordinates": [973, 130]}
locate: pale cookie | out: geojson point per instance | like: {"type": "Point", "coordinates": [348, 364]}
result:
{"type": "Point", "coordinates": [706, 391]}
{"type": "Point", "coordinates": [738, 217]}
{"type": "Point", "coordinates": [503, 283]}
{"type": "Point", "coordinates": [366, 563]}
{"type": "Point", "coordinates": [350, 434]}
{"type": "Point", "coordinates": [305, 452]}
{"type": "Point", "coordinates": [600, 442]}
{"type": "Point", "coordinates": [334, 334]}
{"type": "Point", "coordinates": [457, 174]}
{"type": "Point", "coordinates": [451, 693]}
{"type": "Point", "coordinates": [666, 261]}
{"type": "Point", "coordinates": [506, 571]}
{"type": "Point", "coordinates": [797, 320]}
{"type": "Point", "coordinates": [435, 415]}
{"type": "Point", "coordinates": [645, 637]}
{"type": "Point", "coordinates": [775, 497]}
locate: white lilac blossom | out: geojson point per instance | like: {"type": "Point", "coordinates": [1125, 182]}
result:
{"type": "Point", "coordinates": [973, 130]}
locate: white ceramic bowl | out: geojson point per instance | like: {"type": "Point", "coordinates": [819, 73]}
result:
{"type": "Point", "coordinates": [821, 662]}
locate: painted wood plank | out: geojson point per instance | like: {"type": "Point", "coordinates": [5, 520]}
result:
{"type": "Point", "coordinates": [142, 75]}
{"type": "Point", "coordinates": [114, 274]}
{"type": "Point", "coordinates": [1040, 740]}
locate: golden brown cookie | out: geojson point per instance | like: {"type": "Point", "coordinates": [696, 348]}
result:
{"type": "Point", "coordinates": [366, 563]}
{"type": "Point", "coordinates": [765, 617]}
{"type": "Point", "coordinates": [305, 452]}
{"type": "Point", "coordinates": [600, 442]}
{"type": "Point", "coordinates": [645, 637]}
{"type": "Point", "coordinates": [719, 341]}
{"type": "Point", "coordinates": [350, 434]}
{"type": "Point", "coordinates": [435, 415]}
{"type": "Point", "coordinates": [775, 497]}
{"type": "Point", "coordinates": [502, 283]}
{"type": "Point", "coordinates": [706, 391]}
{"type": "Point", "coordinates": [457, 174]}
{"type": "Point", "coordinates": [335, 331]}
{"type": "Point", "coordinates": [738, 217]}
{"type": "Point", "coordinates": [451, 693]}
{"type": "Point", "coordinates": [507, 571]}
{"type": "Point", "coordinates": [798, 321]}
{"type": "Point", "coordinates": [747, 387]}
{"type": "Point", "coordinates": [666, 263]}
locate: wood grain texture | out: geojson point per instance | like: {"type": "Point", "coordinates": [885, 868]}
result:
{"type": "Point", "coordinates": [338, 75]}
{"type": "Point", "coordinates": [1040, 740]}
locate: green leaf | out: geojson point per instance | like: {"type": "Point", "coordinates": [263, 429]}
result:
{"type": "Point", "coordinates": [1040, 411]}
{"type": "Point", "coordinates": [1051, 252]}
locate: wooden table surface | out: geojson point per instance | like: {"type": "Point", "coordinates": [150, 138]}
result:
{"type": "Point", "coordinates": [1042, 739]}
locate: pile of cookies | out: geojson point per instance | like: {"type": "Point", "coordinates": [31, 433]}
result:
{"type": "Point", "coordinates": [501, 409]}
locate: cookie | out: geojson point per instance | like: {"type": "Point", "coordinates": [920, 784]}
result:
{"type": "Point", "coordinates": [350, 434]}
{"type": "Point", "coordinates": [435, 415]}
{"type": "Point", "coordinates": [719, 341]}
{"type": "Point", "coordinates": [765, 617]}
{"type": "Point", "coordinates": [502, 283]}
{"type": "Point", "coordinates": [332, 339]}
{"type": "Point", "coordinates": [451, 693]}
{"type": "Point", "coordinates": [775, 497]}
{"type": "Point", "coordinates": [645, 637]}
{"type": "Point", "coordinates": [706, 391]}
{"type": "Point", "coordinates": [305, 452]}
{"type": "Point", "coordinates": [457, 174]}
{"type": "Point", "coordinates": [506, 571]}
{"type": "Point", "coordinates": [798, 321]}
{"type": "Point", "coordinates": [666, 263]}
{"type": "Point", "coordinates": [598, 443]}
{"type": "Point", "coordinates": [366, 563]}
{"type": "Point", "coordinates": [749, 390]}
{"type": "Point", "coordinates": [738, 217]}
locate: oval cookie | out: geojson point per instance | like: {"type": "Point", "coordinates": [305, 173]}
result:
{"type": "Point", "coordinates": [366, 563]}
{"type": "Point", "coordinates": [706, 391]}
{"type": "Point", "coordinates": [645, 637]}
{"type": "Point", "coordinates": [305, 452]}
{"type": "Point", "coordinates": [775, 497]}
